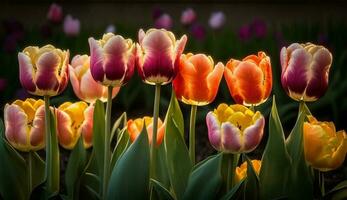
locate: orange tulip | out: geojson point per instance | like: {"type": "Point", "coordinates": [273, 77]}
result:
{"type": "Point", "coordinates": [135, 128]}
{"type": "Point", "coordinates": [325, 149]}
{"type": "Point", "coordinates": [241, 172]}
{"type": "Point", "coordinates": [197, 80]}
{"type": "Point", "coordinates": [250, 80]}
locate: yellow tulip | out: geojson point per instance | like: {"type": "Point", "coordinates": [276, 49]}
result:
{"type": "Point", "coordinates": [325, 149]}
{"type": "Point", "coordinates": [241, 172]}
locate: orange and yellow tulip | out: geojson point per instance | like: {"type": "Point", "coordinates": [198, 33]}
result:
{"type": "Point", "coordinates": [197, 79]}
{"type": "Point", "coordinates": [250, 80]}
{"type": "Point", "coordinates": [135, 127]}
{"type": "Point", "coordinates": [24, 124]}
{"type": "Point", "coordinates": [325, 149]}
{"type": "Point", "coordinates": [75, 120]}
{"type": "Point", "coordinates": [241, 172]}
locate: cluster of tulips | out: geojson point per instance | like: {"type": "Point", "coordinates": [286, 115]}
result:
{"type": "Point", "coordinates": [126, 163]}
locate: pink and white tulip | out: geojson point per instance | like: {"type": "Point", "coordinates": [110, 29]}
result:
{"type": "Point", "coordinates": [112, 59]}
{"type": "Point", "coordinates": [25, 124]}
{"type": "Point", "coordinates": [217, 20]}
{"type": "Point", "coordinates": [43, 71]}
{"type": "Point", "coordinates": [71, 26]}
{"type": "Point", "coordinates": [235, 128]}
{"type": "Point", "coordinates": [158, 53]}
{"type": "Point", "coordinates": [305, 71]}
{"type": "Point", "coordinates": [83, 84]}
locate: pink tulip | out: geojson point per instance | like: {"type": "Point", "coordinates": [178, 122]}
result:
{"type": "Point", "coordinates": [188, 16]}
{"type": "Point", "coordinates": [217, 20]}
{"type": "Point", "coordinates": [164, 21]}
{"type": "Point", "coordinates": [75, 120]}
{"type": "Point", "coordinates": [112, 59]}
{"type": "Point", "coordinates": [158, 53]}
{"type": "Point", "coordinates": [24, 124]}
{"type": "Point", "coordinates": [43, 71]}
{"type": "Point", "coordinates": [55, 13]}
{"type": "Point", "coordinates": [71, 26]}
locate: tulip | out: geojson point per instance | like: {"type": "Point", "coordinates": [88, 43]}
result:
{"type": "Point", "coordinates": [158, 52]}
{"type": "Point", "coordinates": [43, 71]}
{"type": "Point", "coordinates": [325, 149]}
{"type": "Point", "coordinates": [55, 13]}
{"type": "Point", "coordinates": [188, 16]}
{"type": "Point", "coordinates": [241, 172]}
{"type": "Point", "coordinates": [135, 127]}
{"type": "Point", "coordinates": [197, 80]}
{"type": "Point", "coordinates": [112, 59]}
{"type": "Point", "coordinates": [235, 128]}
{"type": "Point", "coordinates": [217, 20]}
{"type": "Point", "coordinates": [164, 21]}
{"type": "Point", "coordinates": [250, 80]}
{"type": "Point", "coordinates": [24, 124]}
{"type": "Point", "coordinates": [83, 84]}
{"type": "Point", "coordinates": [71, 26]}
{"type": "Point", "coordinates": [305, 71]}
{"type": "Point", "coordinates": [74, 120]}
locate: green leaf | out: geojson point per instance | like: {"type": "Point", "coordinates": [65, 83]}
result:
{"type": "Point", "coordinates": [275, 163]}
{"type": "Point", "coordinates": [121, 146]}
{"type": "Point", "coordinates": [198, 187]}
{"type": "Point", "coordinates": [99, 136]}
{"type": "Point", "coordinates": [233, 191]}
{"type": "Point", "coordinates": [161, 191]}
{"type": "Point", "coordinates": [162, 174]}
{"type": "Point", "coordinates": [177, 156]}
{"type": "Point", "coordinates": [340, 186]}
{"type": "Point", "coordinates": [300, 180]}
{"type": "Point", "coordinates": [75, 169]}
{"type": "Point", "coordinates": [251, 182]}
{"type": "Point", "coordinates": [53, 160]}
{"type": "Point", "coordinates": [91, 181]}
{"type": "Point", "coordinates": [116, 125]}
{"type": "Point", "coordinates": [130, 175]}
{"type": "Point", "coordinates": [13, 176]}
{"type": "Point", "coordinates": [38, 170]}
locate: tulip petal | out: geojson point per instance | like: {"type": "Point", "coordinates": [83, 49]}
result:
{"type": "Point", "coordinates": [213, 80]}
{"type": "Point", "coordinates": [231, 138]}
{"type": "Point", "coordinates": [37, 132]}
{"type": "Point", "coordinates": [26, 72]}
{"type": "Point", "coordinates": [47, 70]}
{"type": "Point", "coordinates": [87, 127]}
{"type": "Point", "coordinates": [252, 135]}
{"type": "Point", "coordinates": [214, 131]}
{"type": "Point", "coordinates": [65, 133]}
{"type": "Point", "coordinates": [75, 83]}
{"type": "Point", "coordinates": [96, 60]}
{"type": "Point", "coordinates": [90, 89]}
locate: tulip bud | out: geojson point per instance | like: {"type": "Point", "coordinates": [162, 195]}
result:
{"type": "Point", "coordinates": [250, 80]}
{"type": "Point", "coordinates": [71, 26]}
{"type": "Point", "coordinates": [24, 124]}
{"type": "Point", "coordinates": [325, 149]}
{"type": "Point", "coordinates": [305, 71]}
{"type": "Point", "coordinates": [55, 13]}
{"type": "Point", "coordinates": [188, 16]}
{"type": "Point", "coordinates": [74, 120]}
{"type": "Point", "coordinates": [135, 127]}
{"type": "Point", "coordinates": [241, 172]}
{"type": "Point", "coordinates": [164, 21]}
{"type": "Point", "coordinates": [43, 71]}
{"type": "Point", "coordinates": [217, 20]}
{"type": "Point", "coordinates": [197, 80]}
{"type": "Point", "coordinates": [158, 52]}
{"type": "Point", "coordinates": [112, 59]}
{"type": "Point", "coordinates": [83, 84]}
{"type": "Point", "coordinates": [235, 128]}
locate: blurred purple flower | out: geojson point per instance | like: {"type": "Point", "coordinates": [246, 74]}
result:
{"type": "Point", "coordinates": [259, 28]}
{"type": "Point", "coordinates": [244, 32]}
{"type": "Point", "coordinates": [198, 31]}
{"type": "Point", "coordinates": [71, 26]}
{"type": "Point", "coordinates": [157, 12]}
{"type": "Point", "coordinates": [188, 16]}
{"type": "Point", "coordinates": [217, 20]}
{"type": "Point", "coordinates": [21, 94]}
{"type": "Point", "coordinates": [3, 84]}
{"type": "Point", "coordinates": [46, 30]}
{"type": "Point", "coordinates": [10, 44]}
{"type": "Point", "coordinates": [55, 13]}
{"type": "Point", "coordinates": [164, 21]}
{"type": "Point", "coordinates": [110, 29]}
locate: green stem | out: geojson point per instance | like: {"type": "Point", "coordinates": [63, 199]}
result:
{"type": "Point", "coordinates": [155, 128]}
{"type": "Point", "coordinates": [107, 152]}
{"type": "Point", "coordinates": [48, 144]}
{"type": "Point", "coordinates": [192, 133]}
{"type": "Point", "coordinates": [232, 161]}
{"type": "Point", "coordinates": [322, 185]}
{"type": "Point", "coordinates": [30, 174]}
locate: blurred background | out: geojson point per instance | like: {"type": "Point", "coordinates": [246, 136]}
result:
{"type": "Point", "coordinates": [221, 29]}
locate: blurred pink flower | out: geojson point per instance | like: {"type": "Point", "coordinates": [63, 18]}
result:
{"type": "Point", "coordinates": [217, 20]}
{"type": "Point", "coordinates": [198, 31]}
{"type": "Point", "coordinates": [164, 21]}
{"type": "Point", "coordinates": [3, 84]}
{"type": "Point", "coordinates": [55, 13]}
{"type": "Point", "coordinates": [188, 16]}
{"type": "Point", "coordinates": [244, 32]}
{"type": "Point", "coordinates": [71, 26]}
{"type": "Point", "coordinates": [259, 28]}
